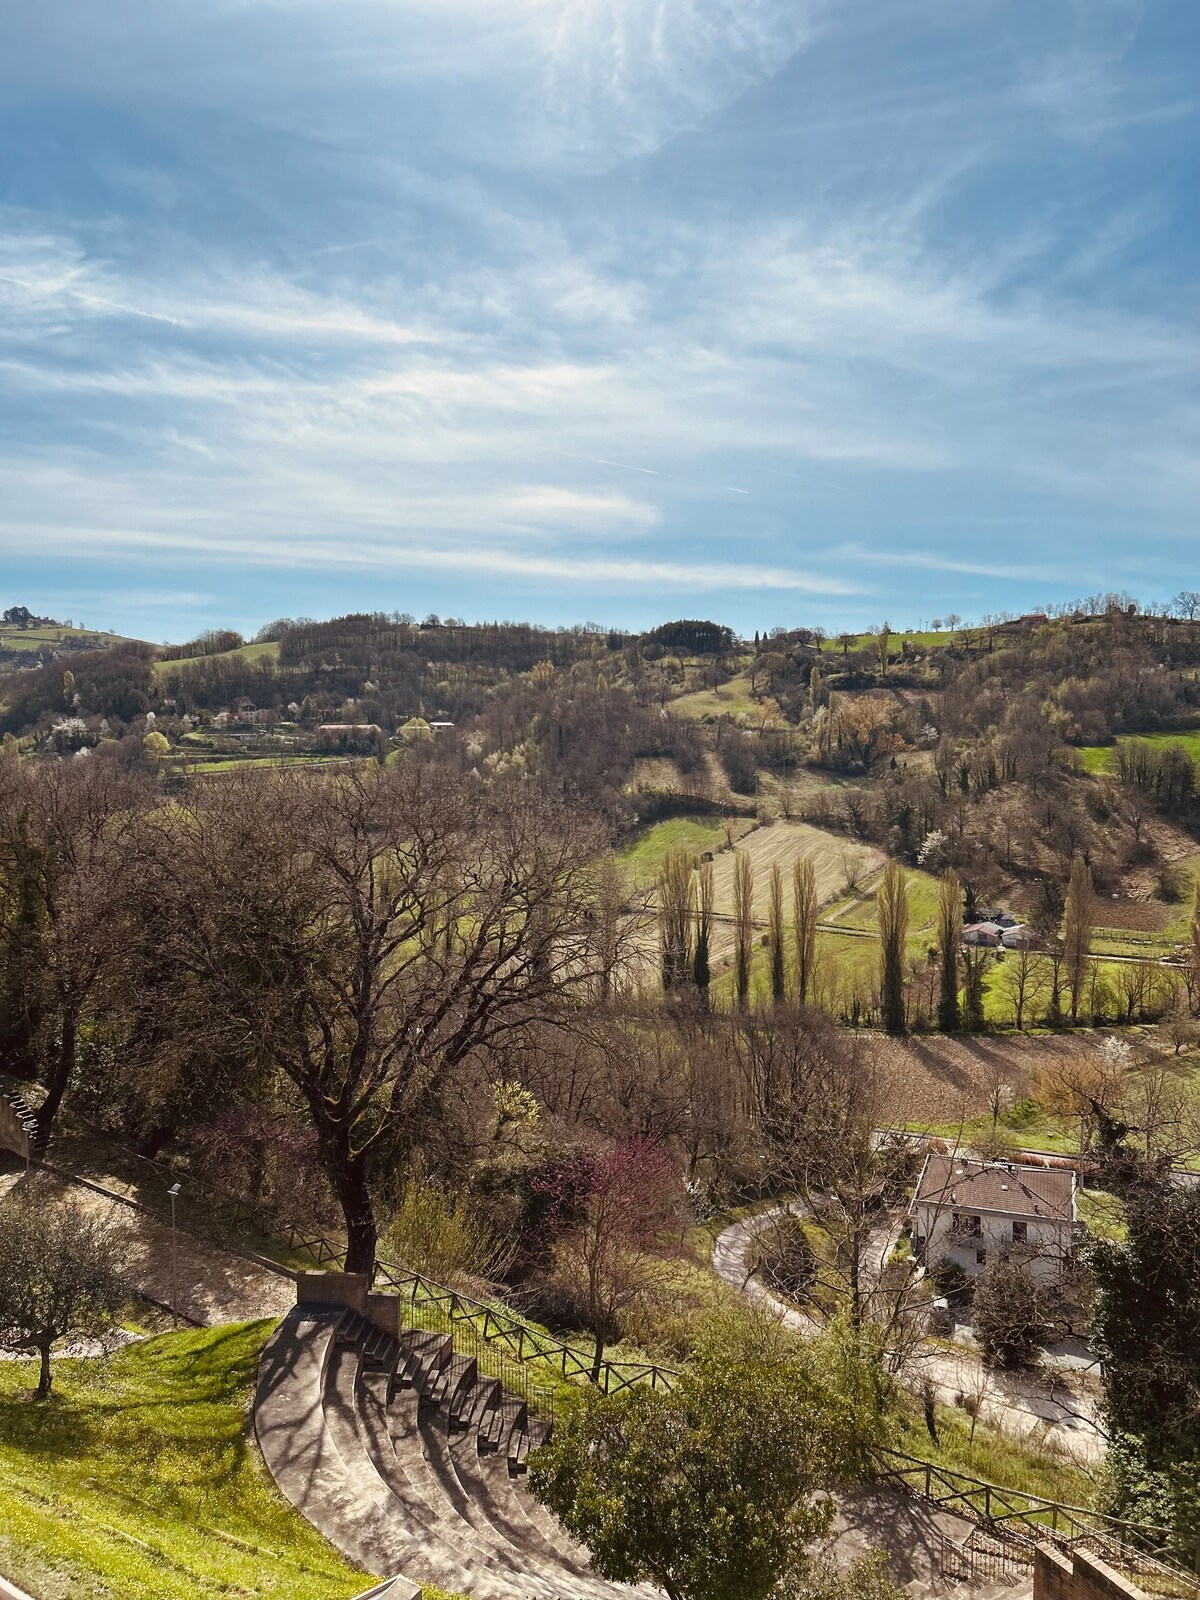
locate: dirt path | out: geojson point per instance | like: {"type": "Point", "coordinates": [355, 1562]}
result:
{"type": "Point", "coordinates": [1043, 1404]}
{"type": "Point", "coordinates": [215, 1285]}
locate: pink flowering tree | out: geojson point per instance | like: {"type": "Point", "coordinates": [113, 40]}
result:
{"type": "Point", "coordinates": [619, 1201]}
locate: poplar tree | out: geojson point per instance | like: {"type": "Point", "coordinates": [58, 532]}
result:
{"type": "Point", "coordinates": [703, 904]}
{"type": "Point", "coordinates": [804, 918]}
{"type": "Point", "coordinates": [674, 915]}
{"type": "Point", "coordinates": [1078, 918]}
{"type": "Point", "coordinates": [891, 905]}
{"type": "Point", "coordinates": [775, 915]}
{"type": "Point", "coordinates": [743, 923]}
{"type": "Point", "coordinates": [949, 939]}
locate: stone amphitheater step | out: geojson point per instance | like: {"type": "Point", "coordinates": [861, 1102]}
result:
{"type": "Point", "coordinates": [425, 1475]}
{"type": "Point", "coordinates": [460, 1443]}
{"type": "Point", "coordinates": [348, 1425]}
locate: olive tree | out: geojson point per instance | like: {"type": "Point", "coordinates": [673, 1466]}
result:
{"type": "Point", "coordinates": [61, 1276]}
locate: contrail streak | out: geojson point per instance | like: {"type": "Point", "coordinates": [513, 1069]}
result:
{"type": "Point", "coordinates": [651, 472]}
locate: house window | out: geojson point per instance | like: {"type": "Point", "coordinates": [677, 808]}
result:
{"type": "Point", "coordinates": [975, 1227]}
{"type": "Point", "coordinates": [981, 1258]}
{"type": "Point", "coordinates": [1020, 1232]}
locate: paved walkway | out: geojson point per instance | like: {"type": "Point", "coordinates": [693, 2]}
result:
{"type": "Point", "coordinates": [1040, 1403]}
{"type": "Point", "coordinates": [215, 1285]}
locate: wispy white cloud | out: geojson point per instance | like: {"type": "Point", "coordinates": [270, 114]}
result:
{"type": "Point", "coordinates": [381, 287]}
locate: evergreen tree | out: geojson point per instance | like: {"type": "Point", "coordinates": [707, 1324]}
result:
{"type": "Point", "coordinates": [775, 905]}
{"type": "Point", "coordinates": [949, 941]}
{"type": "Point", "coordinates": [891, 905]}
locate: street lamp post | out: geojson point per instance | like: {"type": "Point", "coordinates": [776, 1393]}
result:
{"type": "Point", "coordinates": [173, 1191]}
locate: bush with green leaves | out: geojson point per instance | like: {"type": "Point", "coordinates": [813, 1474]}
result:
{"type": "Point", "coordinates": [717, 1489]}
{"type": "Point", "coordinates": [441, 1235]}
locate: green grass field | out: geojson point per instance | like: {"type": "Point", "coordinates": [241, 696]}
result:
{"type": "Point", "coordinates": [1099, 757]}
{"type": "Point", "coordinates": [995, 1457]}
{"type": "Point", "coordinates": [859, 911]}
{"type": "Point", "coordinates": [869, 641]}
{"type": "Point", "coordinates": [33, 639]}
{"type": "Point", "coordinates": [644, 854]}
{"type": "Point", "coordinates": [232, 763]}
{"type": "Point", "coordinates": [247, 652]}
{"type": "Point", "coordinates": [137, 1480]}
{"type": "Point", "coordinates": [731, 699]}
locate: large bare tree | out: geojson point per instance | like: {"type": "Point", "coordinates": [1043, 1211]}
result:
{"type": "Point", "coordinates": [66, 872]}
{"type": "Point", "coordinates": [366, 933]}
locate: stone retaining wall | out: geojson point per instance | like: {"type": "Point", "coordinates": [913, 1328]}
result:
{"type": "Point", "coordinates": [13, 1135]}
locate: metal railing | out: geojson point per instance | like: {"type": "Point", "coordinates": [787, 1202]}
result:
{"type": "Point", "coordinates": [220, 1214]}
{"type": "Point", "coordinates": [1010, 1515]}
{"type": "Point", "coordinates": [520, 1341]}
{"type": "Point", "coordinates": [985, 1557]}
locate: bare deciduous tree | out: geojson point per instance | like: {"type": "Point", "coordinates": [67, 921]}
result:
{"type": "Point", "coordinates": [1078, 918]}
{"type": "Point", "coordinates": [65, 832]}
{"type": "Point", "coordinates": [366, 935]}
{"type": "Point", "coordinates": [804, 916]}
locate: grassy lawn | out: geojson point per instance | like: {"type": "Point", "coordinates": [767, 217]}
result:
{"type": "Point", "coordinates": [268, 651]}
{"type": "Point", "coordinates": [731, 699]}
{"type": "Point", "coordinates": [137, 1481]}
{"type": "Point", "coordinates": [861, 912]}
{"type": "Point", "coordinates": [231, 763]}
{"type": "Point", "coordinates": [1025, 1124]}
{"type": "Point", "coordinates": [1103, 1213]}
{"type": "Point", "coordinates": [869, 641]}
{"type": "Point", "coordinates": [645, 853]}
{"type": "Point", "coordinates": [1098, 757]}
{"type": "Point", "coordinates": [33, 639]}
{"type": "Point", "coordinates": [1030, 1465]}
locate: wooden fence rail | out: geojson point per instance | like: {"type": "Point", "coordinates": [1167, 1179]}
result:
{"type": "Point", "coordinates": [237, 1214]}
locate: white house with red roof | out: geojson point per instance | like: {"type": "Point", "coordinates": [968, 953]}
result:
{"type": "Point", "coordinates": [972, 1212]}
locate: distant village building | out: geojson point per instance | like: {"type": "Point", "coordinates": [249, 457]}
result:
{"type": "Point", "coordinates": [971, 1212]}
{"type": "Point", "coordinates": [986, 934]}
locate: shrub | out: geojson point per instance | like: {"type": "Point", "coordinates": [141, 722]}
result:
{"type": "Point", "coordinates": [1007, 1315]}
{"type": "Point", "coordinates": [439, 1234]}
{"type": "Point", "coordinates": [783, 1257]}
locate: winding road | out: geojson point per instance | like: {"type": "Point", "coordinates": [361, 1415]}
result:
{"type": "Point", "coordinates": [1042, 1403]}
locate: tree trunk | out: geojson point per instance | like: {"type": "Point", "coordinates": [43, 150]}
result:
{"type": "Point", "coordinates": [60, 1078]}
{"type": "Point", "coordinates": [354, 1196]}
{"type": "Point", "coordinates": [927, 1405]}
{"type": "Point", "coordinates": [598, 1358]}
{"type": "Point", "coordinates": [44, 1379]}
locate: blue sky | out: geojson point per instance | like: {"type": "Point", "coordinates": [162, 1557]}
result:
{"type": "Point", "coordinates": [776, 311]}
